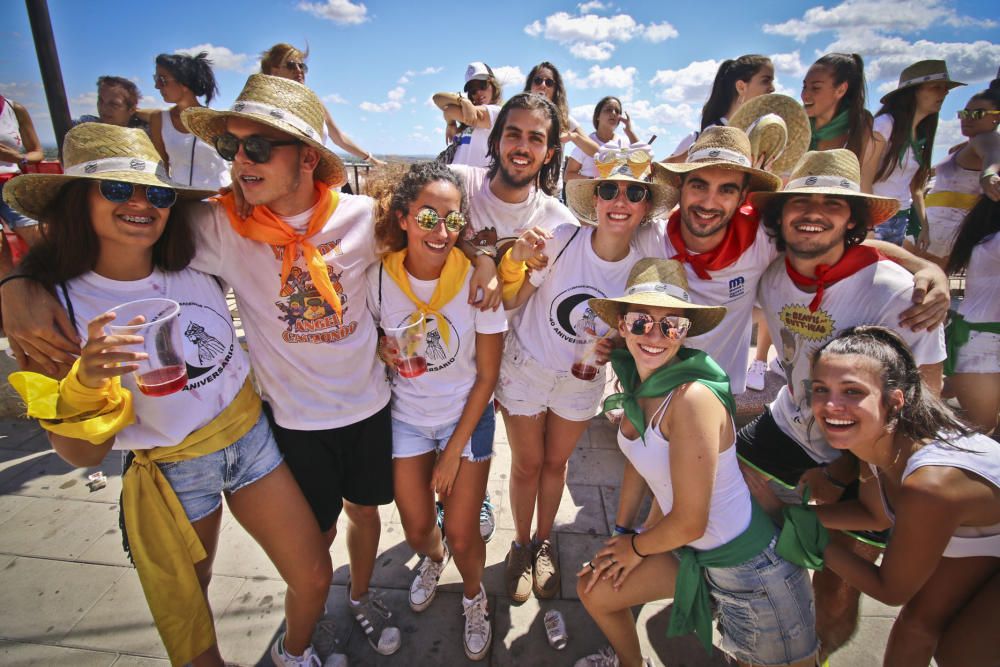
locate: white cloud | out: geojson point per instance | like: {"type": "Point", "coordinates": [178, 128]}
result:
{"type": "Point", "coordinates": [603, 77]}
{"type": "Point", "coordinates": [967, 61]}
{"type": "Point", "coordinates": [510, 77]}
{"type": "Point", "coordinates": [949, 133]}
{"type": "Point", "coordinates": [222, 58]}
{"type": "Point", "coordinates": [334, 98]}
{"type": "Point", "coordinates": [409, 74]}
{"type": "Point", "coordinates": [374, 107]}
{"type": "Point", "coordinates": [584, 51]}
{"type": "Point", "coordinates": [659, 32]}
{"type": "Point", "coordinates": [891, 16]}
{"type": "Point", "coordinates": [343, 12]}
{"type": "Point", "coordinates": [396, 94]}
{"type": "Point", "coordinates": [693, 82]}
{"type": "Point", "coordinates": [592, 6]}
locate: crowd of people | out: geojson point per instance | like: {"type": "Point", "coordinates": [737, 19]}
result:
{"type": "Point", "coordinates": [385, 331]}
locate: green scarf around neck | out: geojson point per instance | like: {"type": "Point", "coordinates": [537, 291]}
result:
{"type": "Point", "coordinates": [838, 125]}
{"type": "Point", "coordinates": [690, 365]}
{"type": "Point", "coordinates": [918, 150]}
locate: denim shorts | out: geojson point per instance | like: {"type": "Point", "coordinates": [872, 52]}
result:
{"type": "Point", "coordinates": [893, 230]}
{"type": "Point", "coordinates": [12, 218]}
{"type": "Point", "coordinates": [412, 440]}
{"type": "Point", "coordinates": [199, 483]}
{"type": "Point", "coordinates": [766, 611]}
{"type": "Point", "coordinates": [527, 387]}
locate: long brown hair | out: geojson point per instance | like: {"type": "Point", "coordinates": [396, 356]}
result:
{"type": "Point", "coordinates": [558, 91]}
{"type": "Point", "coordinates": [724, 91]}
{"type": "Point", "coordinates": [850, 67]}
{"type": "Point", "coordinates": [548, 175]}
{"type": "Point", "coordinates": [902, 106]}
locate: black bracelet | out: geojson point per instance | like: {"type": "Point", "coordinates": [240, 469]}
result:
{"type": "Point", "coordinates": [833, 480]}
{"type": "Point", "coordinates": [635, 535]}
{"type": "Point", "coordinates": [15, 276]}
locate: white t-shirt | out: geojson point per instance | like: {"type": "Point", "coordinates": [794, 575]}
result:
{"type": "Point", "coordinates": [557, 313]}
{"type": "Point", "coordinates": [982, 277]}
{"type": "Point", "coordinates": [474, 142]}
{"type": "Point", "coordinates": [438, 396]}
{"type": "Point", "coordinates": [496, 223]}
{"type": "Point", "coordinates": [587, 166]}
{"type": "Point", "coordinates": [734, 287]}
{"type": "Point", "coordinates": [192, 161]}
{"type": "Point", "coordinates": [216, 364]}
{"type": "Point", "coordinates": [876, 294]}
{"type": "Point", "coordinates": [10, 135]}
{"type": "Point", "coordinates": [316, 371]}
{"type": "Point", "coordinates": [685, 144]}
{"type": "Point", "coordinates": [897, 185]}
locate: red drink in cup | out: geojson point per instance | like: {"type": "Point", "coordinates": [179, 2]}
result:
{"type": "Point", "coordinates": [584, 355]}
{"type": "Point", "coordinates": [158, 322]}
{"type": "Point", "coordinates": [407, 341]}
{"type": "Point", "coordinates": [584, 371]}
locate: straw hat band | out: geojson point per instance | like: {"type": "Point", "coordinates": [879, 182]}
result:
{"type": "Point", "coordinates": [104, 165]}
{"type": "Point", "coordinates": [261, 109]}
{"type": "Point", "coordinates": [923, 79]}
{"type": "Point", "coordinates": [824, 182]}
{"type": "Point", "coordinates": [719, 154]}
{"type": "Point", "coordinates": [665, 288]}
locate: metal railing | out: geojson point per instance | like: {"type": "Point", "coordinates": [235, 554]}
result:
{"type": "Point", "coordinates": [360, 172]}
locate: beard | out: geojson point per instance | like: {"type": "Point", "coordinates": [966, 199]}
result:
{"type": "Point", "coordinates": [512, 181]}
{"type": "Point", "coordinates": [698, 231]}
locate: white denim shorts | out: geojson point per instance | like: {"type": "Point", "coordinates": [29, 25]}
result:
{"type": "Point", "coordinates": [980, 355]}
{"type": "Point", "coordinates": [527, 387]}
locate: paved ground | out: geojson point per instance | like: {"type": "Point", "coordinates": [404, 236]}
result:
{"type": "Point", "coordinates": [69, 596]}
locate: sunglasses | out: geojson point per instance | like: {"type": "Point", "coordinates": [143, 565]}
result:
{"type": "Point", "coordinates": [476, 85]}
{"type": "Point", "coordinates": [294, 64]}
{"type": "Point", "coordinates": [635, 193]}
{"type": "Point", "coordinates": [428, 219]}
{"type": "Point", "coordinates": [976, 114]}
{"type": "Point", "coordinates": [258, 149]}
{"type": "Point", "coordinates": [120, 192]}
{"type": "Point", "coordinates": [160, 80]}
{"type": "Point", "coordinates": [672, 326]}
{"type": "Point", "coordinates": [542, 81]}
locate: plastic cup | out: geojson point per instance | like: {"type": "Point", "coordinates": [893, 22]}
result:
{"type": "Point", "coordinates": [584, 364]}
{"type": "Point", "coordinates": [164, 371]}
{"type": "Point", "coordinates": [407, 339]}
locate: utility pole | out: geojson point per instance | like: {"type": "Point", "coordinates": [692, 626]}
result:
{"type": "Point", "coordinates": [48, 62]}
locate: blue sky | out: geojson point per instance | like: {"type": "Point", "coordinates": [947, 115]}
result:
{"type": "Point", "coordinates": [376, 63]}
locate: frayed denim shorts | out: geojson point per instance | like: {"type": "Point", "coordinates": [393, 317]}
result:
{"type": "Point", "coordinates": [199, 483]}
{"type": "Point", "coordinates": [766, 611]}
{"type": "Point", "coordinates": [412, 440]}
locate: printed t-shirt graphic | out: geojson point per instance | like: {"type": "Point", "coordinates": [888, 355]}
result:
{"type": "Point", "coordinates": [316, 370]}
{"type": "Point", "coordinates": [875, 294]}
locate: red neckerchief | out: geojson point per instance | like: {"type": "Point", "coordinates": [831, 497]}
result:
{"type": "Point", "coordinates": [740, 235]}
{"type": "Point", "coordinates": [854, 259]}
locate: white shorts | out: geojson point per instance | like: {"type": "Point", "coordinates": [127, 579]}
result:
{"type": "Point", "coordinates": [980, 355]}
{"type": "Point", "coordinates": [527, 388]}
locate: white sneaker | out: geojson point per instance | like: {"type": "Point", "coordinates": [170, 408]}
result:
{"type": "Point", "coordinates": [487, 520]}
{"type": "Point", "coordinates": [424, 586]}
{"type": "Point", "coordinates": [606, 657]}
{"type": "Point", "coordinates": [478, 631]}
{"type": "Point", "coordinates": [307, 659]}
{"type": "Point", "coordinates": [755, 375]}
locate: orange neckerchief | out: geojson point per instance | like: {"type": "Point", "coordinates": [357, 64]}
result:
{"type": "Point", "coordinates": [266, 227]}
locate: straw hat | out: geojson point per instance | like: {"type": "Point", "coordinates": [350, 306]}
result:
{"type": "Point", "coordinates": [659, 283]}
{"type": "Point", "coordinates": [283, 104]}
{"type": "Point", "coordinates": [631, 165]}
{"type": "Point", "coordinates": [924, 71]}
{"type": "Point", "coordinates": [832, 172]}
{"type": "Point", "coordinates": [761, 117]}
{"type": "Point", "coordinates": [725, 147]}
{"type": "Point", "coordinates": [98, 152]}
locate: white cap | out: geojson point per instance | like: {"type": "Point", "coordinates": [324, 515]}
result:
{"type": "Point", "coordinates": [477, 71]}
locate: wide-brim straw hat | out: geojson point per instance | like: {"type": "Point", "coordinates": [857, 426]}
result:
{"type": "Point", "coordinates": [725, 147]}
{"type": "Point", "coordinates": [760, 116]}
{"type": "Point", "coordinates": [445, 99]}
{"type": "Point", "coordinates": [283, 104]}
{"type": "Point", "coordinates": [99, 152]}
{"type": "Point", "coordinates": [832, 172]}
{"type": "Point", "coordinates": [629, 165]}
{"type": "Point", "coordinates": [659, 283]}
{"type": "Point", "coordinates": [924, 71]}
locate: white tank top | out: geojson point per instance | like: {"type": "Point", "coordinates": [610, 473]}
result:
{"type": "Point", "coordinates": [730, 509]}
{"type": "Point", "coordinates": [951, 179]}
{"type": "Point", "coordinates": [10, 135]}
{"type": "Point", "coordinates": [209, 170]}
{"type": "Point", "coordinates": [979, 455]}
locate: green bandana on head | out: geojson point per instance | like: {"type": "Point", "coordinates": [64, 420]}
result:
{"type": "Point", "coordinates": [690, 366]}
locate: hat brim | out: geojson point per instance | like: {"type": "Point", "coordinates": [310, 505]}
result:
{"type": "Point", "coordinates": [879, 208]}
{"type": "Point", "coordinates": [760, 180]}
{"type": "Point", "coordinates": [703, 318]}
{"type": "Point", "coordinates": [951, 85]}
{"type": "Point", "coordinates": [207, 124]}
{"type": "Point", "coordinates": [444, 100]}
{"type": "Point", "coordinates": [31, 194]}
{"type": "Point", "coordinates": [580, 197]}
{"type": "Point", "coordinates": [796, 122]}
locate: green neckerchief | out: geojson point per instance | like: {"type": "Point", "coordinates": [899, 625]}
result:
{"type": "Point", "coordinates": [691, 366]}
{"type": "Point", "coordinates": [692, 608]}
{"type": "Point", "coordinates": [803, 538]}
{"type": "Point", "coordinates": [837, 126]}
{"type": "Point", "coordinates": [918, 146]}
{"type": "Point", "coordinates": [956, 334]}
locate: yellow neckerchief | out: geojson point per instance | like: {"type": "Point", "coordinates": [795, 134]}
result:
{"type": "Point", "coordinates": [449, 284]}
{"type": "Point", "coordinates": [264, 226]}
{"type": "Point", "coordinates": [163, 543]}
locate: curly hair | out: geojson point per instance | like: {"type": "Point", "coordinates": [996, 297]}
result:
{"type": "Point", "coordinates": [194, 72]}
{"type": "Point", "coordinates": [770, 216]}
{"type": "Point", "coordinates": [548, 175]}
{"type": "Point", "coordinates": [395, 187]}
